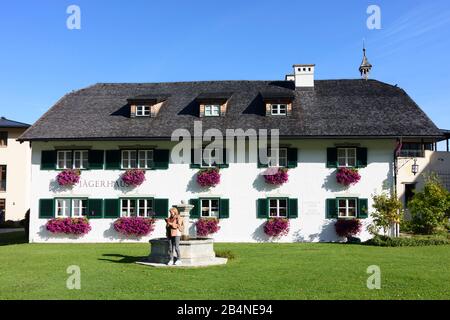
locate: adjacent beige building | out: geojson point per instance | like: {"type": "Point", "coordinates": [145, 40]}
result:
{"type": "Point", "coordinates": [15, 164]}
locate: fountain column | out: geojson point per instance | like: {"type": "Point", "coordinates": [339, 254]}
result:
{"type": "Point", "coordinates": [184, 210]}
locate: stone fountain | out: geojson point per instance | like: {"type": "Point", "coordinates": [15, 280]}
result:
{"type": "Point", "coordinates": [194, 252]}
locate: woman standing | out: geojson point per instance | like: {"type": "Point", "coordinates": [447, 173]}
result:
{"type": "Point", "coordinates": [174, 227]}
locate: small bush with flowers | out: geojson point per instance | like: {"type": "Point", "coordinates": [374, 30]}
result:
{"type": "Point", "coordinates": [277, 227]}
{"type": "Point", "coordinates": [75, 226]}
{"type": "Point", "coordinates": [276, 176]}
{"type": "Point", "coordinates": [134, 226]}
{"type": "Point", "coordinates": [348, 228]}
{"type": "Point", "coordinates": [207, 226]}
{"type": "Point", "coordinates": [347, 176]}
{"type": "Point", "coordinates": [68, 178]}
{"type": "Point", "coordinates": [133, 177]}
{"type": "Point", "coordinates": [208, 177]}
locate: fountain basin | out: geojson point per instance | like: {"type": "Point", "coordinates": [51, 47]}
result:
{"type": "Point", "coordinates": [193, 252]}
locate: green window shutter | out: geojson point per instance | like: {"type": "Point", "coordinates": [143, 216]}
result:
{"type": "Point", "coordinates": [361, 157]}
{"type": "Point", "coordinates": [224, 209]}
{"type": "Point", "coordinates": [112, 208]}
{"type": "Point", "coordinates": [96, 159]}
{"type": "Point", "coordinates": [161, 208]}
{"type": "Point", "coordinates": [113, 159]}
{"type": "Point", "coordinates": [363, 208]}
{"type": "Point", "coordinates": [194, 165]}
{"type": "Point", "coordinates": [195, 211]}
{"type": "Point", "coordinates": [292, 158]}
{"type": "Point", "coordinates": [46, 208]}
{"type": "Point", "coordinates": [332, 161]}
{"type": "Point", "coordinates": [225, 160]}
{"type": "Point", "coordinates": [331, 209]}
{"type": "Point", "coordinates": [293, 209]}
{"type": "Point", "coordinates": [161, 159]}
{"type": "Point", "coordinates": [260, 164]}
{"type": "Point", "coordinates": [262, 209]}
{"type": "Point", "coordinates": [95, 208]}
{"type": "Point", "coordinates": [48, 160]}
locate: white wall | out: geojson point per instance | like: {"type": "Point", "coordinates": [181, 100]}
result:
{"type": "Point", "coordinates": [311, 182]}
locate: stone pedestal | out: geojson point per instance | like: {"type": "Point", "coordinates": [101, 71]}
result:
{"type": "Point", "coordinates": [193, 252]}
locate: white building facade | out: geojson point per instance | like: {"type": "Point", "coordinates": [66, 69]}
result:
{"type": "Point", "coordinates": [322, 125]}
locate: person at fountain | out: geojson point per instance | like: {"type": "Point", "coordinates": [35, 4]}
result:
{"type": "Point", "coordinates": [174, 227]}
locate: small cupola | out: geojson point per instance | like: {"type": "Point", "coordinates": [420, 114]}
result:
{"type": "Point", "coordinates": [365, 67]}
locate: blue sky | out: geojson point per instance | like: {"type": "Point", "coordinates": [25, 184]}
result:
{"type": "Point", "coordinates": [154, 41]}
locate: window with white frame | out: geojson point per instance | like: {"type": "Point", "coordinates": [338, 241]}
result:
{"type": "Point", "coordinates": [128, 207]}
{"type": "Point", "coordinates": [142, 111]}
{"type": "Point", "coordinates": [209, 157]}
{"type": "Point", "coordinates": [347, 208]}
{"type": "Point", "coordinates": [79, 207]}
{"type": "Point", "coordinates": [278, 208]}
{"type": "Point", "coordinates": [62, 208]}
{"type": "Point", "coordinates": [80, 159]}
{"type": "Point", "coordinates": [136, 207]}
{"type": "Point", "coordinates": [129, 159]}
{"type": "Point", "coordinates": [212, 110]}
{"type": "Point", "coordinates": [145, 159]}
{"type": "Point", "coordinates": [64, 159]}
{"type": "Point", "coordinates": [346, 157]}
{"type": "Point", "coordinates": [210, 207]}
{"type": "Point", "coordinates": [145, 208]}
{"type": "Point", "coordinates": [278, 109]}
{"type": "Point", "coordinates": [278, 157]}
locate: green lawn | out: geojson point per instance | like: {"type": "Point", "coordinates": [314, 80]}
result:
{"type": "Point", "coordinates": [259, 271]}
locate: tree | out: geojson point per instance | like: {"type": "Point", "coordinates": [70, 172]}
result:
{"type": "Point", "coordinates": [430, 207]}
{"type": "Point", "coordinates": [388, 212]}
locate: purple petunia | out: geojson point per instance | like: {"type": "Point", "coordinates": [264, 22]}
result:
{"type": "Point", "coordinates": [347, 176]}
{"type": "Point", "coordinates": [208, 177]}
{"type": "Point", "coordinates": [133, 177]}
{"type": "Point", "coordinates": [134, 226]}
{"type": "Point", "coordinates": [68, 177]}
{"type": "Point", "coordinates": [276, 176]}
{"type": "Point", "coordinates": [206, 227]}
{"type": "Point", "coordinates": [277, 227]}
{"type": "Point", "coordinates": [76, 226]}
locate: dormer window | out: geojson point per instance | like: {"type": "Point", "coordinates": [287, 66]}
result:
{"type": "Point", "coordinates": [278, 109]}
{"type": "Point", "coordinates": [278, 103]}
{"type": "Point", "coordinates": [143, 111]}
{"type": "Point", "coordinates": [212, 110]}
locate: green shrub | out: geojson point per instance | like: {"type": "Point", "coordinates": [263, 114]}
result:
{"type": "Point", "coordinates": [388, 211]}
{"type": "Point", "coordinates": [225, 254]}
{"type": "Point", "coordinates": [383, 241]}
{"type": "Point", "coordinates": [429, 208]}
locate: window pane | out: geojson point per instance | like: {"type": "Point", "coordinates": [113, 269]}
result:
{"type": "Point", "coordinates": [142, 208]}
{"type": "Point", "coordinates": [85, 159]}
{"type": "Point", "coordinates": [273, 212]}
{"type": "Point", "coordinates": [124, 212]}
{"type": "Point", "coordinates": [283, 212]}
{"type": "Point", "coordinates": [283, 203]}
{"type": "Point", "coordinates": [342, 212]}
{"type": "Point", "coordinates": [352, 212]}
{"type": "Point", "coordinates": [341, 153]}
{"type": "Point", "coordinates": [342, 203]}
{"type": "Point", "coordinates": [352, 203]}
{"type": "Point", "coordinates": [351, 153]}
{"type": "Point", "coordinates": [132, 160]}
{"type": "Point", "coordinates": [273, 203]}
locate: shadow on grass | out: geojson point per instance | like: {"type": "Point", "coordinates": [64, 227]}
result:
{"type": "Point", "coordinates": [11, 238]}
{"type": "Point", "coordinates": [120, 258]}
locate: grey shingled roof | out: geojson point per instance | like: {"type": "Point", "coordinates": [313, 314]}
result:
{"type": "Point", "coordinates": [6, 123]}
{"type": "Point", "coordinates": [344, 108]}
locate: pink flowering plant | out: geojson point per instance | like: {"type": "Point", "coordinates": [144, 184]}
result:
{"type": "Point", "coordinates": [208, 177]}
{"type": "Point", "coordinates": [75, 226]}
{"type": "Point", "coordinates": [348, 227]}
{"type": "Point", "coordinates": [207, 226]}
{"type": "Point", "coordinates": [347, 176]}
{"type": "Point", "coordinates": [276, 176]}
{"type": "Point", "coordinates": [134, 226]}
{"type": "Point", "coordinates": [68, 177]}
{"type": "Point", "coordinates": [277, 227]}
{"type": "Point", "coordinates": [133, 177]}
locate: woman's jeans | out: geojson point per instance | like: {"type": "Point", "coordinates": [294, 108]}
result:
{"type": "Point", "coordinates": [174, 246]}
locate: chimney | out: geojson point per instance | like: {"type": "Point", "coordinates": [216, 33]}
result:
{"type": "Point", "coordinates": [304, 75]}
